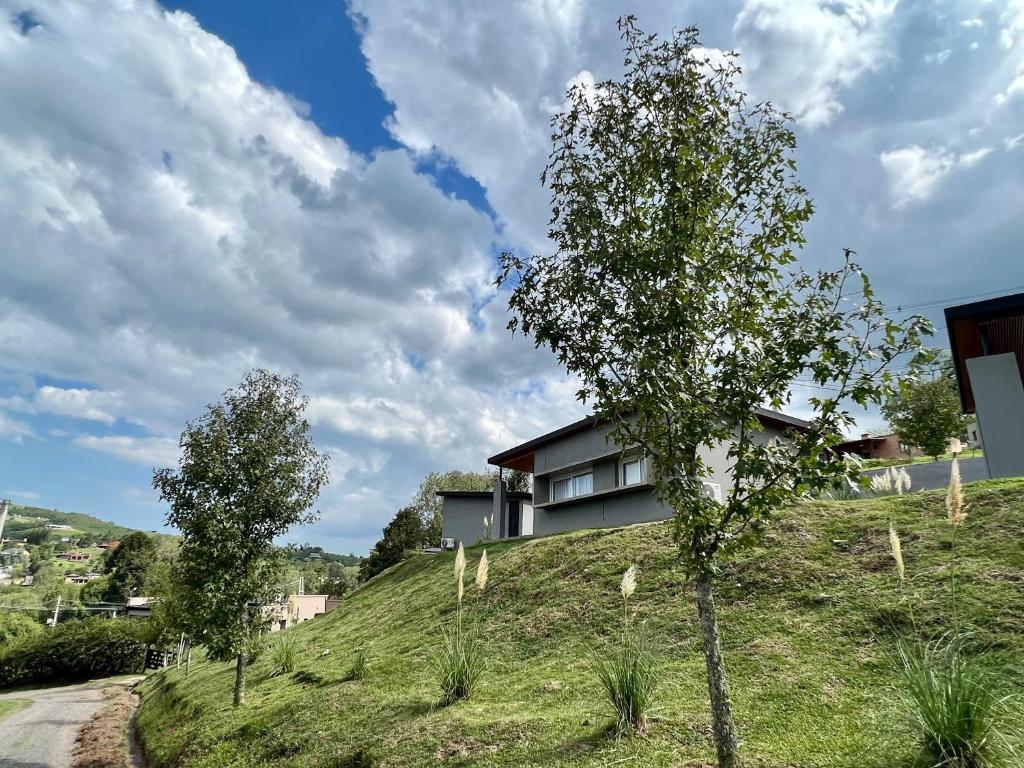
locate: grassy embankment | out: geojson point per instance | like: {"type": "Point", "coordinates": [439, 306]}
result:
{"type": "Point", "coordinates": [808, 619]}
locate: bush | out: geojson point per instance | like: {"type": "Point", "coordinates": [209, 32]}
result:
{"type": "Point", "coordinates": [628, 678]}
{"type": "Point", "coordinates": [73, 651]}
{"type": "Point", "coordinates": [459, 663]}
{"type": "Point", "coordinates": [14, 626]}
{"type": "Point", "coordinates": [358, 669]}
{"type": "Point", "coordinates": [954, 705]}
{"type": "Point", "coordinates": [286, 653]}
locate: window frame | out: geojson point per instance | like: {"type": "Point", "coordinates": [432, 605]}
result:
{"type": "Point", "coordinates": [571, 478]}
{"type": "Point", "coordinates": [635, 459]}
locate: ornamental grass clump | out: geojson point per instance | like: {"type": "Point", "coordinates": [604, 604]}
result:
{"type": "Point", "coordinates": [957, 707]}
{"type": "Point", "coordinates": [627, 673]}
{"type": "Point", "coordinates": [460, 661]}
{"type": "Point", "coordinates": [285, 654]}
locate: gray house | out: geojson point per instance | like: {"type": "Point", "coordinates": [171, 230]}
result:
{"type": "Point", "coordinates": [580, 480]}
{"type": "Point", "coordinates": [986, 339]}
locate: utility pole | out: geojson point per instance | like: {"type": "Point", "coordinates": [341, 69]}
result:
{"type": "Point", "coordinates": [5, 507]}
{"type": "Point", "coordinates": [56, 613]}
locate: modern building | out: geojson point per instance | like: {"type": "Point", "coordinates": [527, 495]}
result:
{"type": "Point", "coordinates": [986, 339]}
{"type": "Point", "coordinates": [581, 479]}
{"type": "Point", "coordinates": [295, 609]}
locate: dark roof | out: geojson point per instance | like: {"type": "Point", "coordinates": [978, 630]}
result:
{"type": "Point", "coordinates": [508, 458]}
{"type": "Point", "coordinates": [989, 327]}
{"type": "Point", "coordinates": [521, 495]}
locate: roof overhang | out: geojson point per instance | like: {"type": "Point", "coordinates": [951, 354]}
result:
{"type": "Point", "coordinates": [990, 327]}
{"type": "Point", "coordinates": [521, 457]}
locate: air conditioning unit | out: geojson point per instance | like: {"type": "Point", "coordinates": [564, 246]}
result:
{"type": "Point", "coordinates": [712, 491]}
{"type": "Point", "coordinates": [447, 543]}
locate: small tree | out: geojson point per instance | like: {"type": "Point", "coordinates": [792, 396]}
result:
{"type": "Point", "coordinates": [927, 413]}
{"type": "Point", "coordinates": [673, 294]}
{"type": "Point", "coordinates": [248, 472]}
{"type": "Point", "coordinates": [404, 532]}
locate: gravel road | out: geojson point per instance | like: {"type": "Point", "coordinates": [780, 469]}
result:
{"type": "Point", "coordinates": [43, 735]}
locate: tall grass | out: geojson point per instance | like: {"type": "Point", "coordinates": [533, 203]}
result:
{"type": "Point", "coordinates": [952, 702]}
{"type": "Point", "coordinates": [627, 673]}
{"type": "Point", "coordinates": [285, 654]}
{"type": "Point", "coordinates": [460, 661]}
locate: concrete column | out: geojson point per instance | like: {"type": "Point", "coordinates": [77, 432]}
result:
{"type": "Point", "coordinates": [999, 406]}
{"type": "Point", "coordinates": [499, 522]}
{"type": "Point", "coordinates": [5, 507]}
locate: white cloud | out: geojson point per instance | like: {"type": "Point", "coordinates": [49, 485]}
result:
{"type": "Point", "coordinates": [150, 451]}
{"type": "Point", "coordinates": [23, 495]}
{"type": "Point", "coordinates": [1013, 142]}
{"type": "Point", "coordinates": [937, 58]}
{"type": "Point", "coordinates": [12, 429]}
{"type": "Point", "coordinates": [801, 54]}
{"type": "Point", "coordinates": [915, 172]}
{"type": "Point", "coordinates": [971, 23]}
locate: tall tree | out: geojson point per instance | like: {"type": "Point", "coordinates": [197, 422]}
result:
{"type": "Point", "coordinates": [674, 295]}
{"type": "Point", "coordinates": [248, 472]}
{"type": "Point", "coordinates": [128, 563]}
{"type": "Point", "coordinates": [405, 532]}
{"type": "Point", "coordinates": [926, 412]}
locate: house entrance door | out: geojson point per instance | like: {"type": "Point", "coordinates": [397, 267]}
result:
{"type": "Point", "coordinates": [514, 514]}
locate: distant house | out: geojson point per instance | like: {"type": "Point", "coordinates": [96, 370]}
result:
{"type": "Point", "coordinates": [139, 607]}
{"type": "Point", "coordinates": [295, 609]}
{"type": "Point", "coordinates": [80, 578]}
{"type": "Point", "coordinates": [109, 544]}
{"type": "Point", "coordinates": [986, 339]}
{"type": "Point", "coordinates": [55, 527]}
{"type": "Point", "coordinates": [74, 557]}
{"type": "Point", "coordinates": [580, 480]}
{"type": "Point", "coordinates": [27, 581]}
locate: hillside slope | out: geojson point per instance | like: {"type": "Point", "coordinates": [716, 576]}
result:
{"type": "Point", "coordinates": [807, 618]}
{"type": "Point", "coordinates": [25, 518]}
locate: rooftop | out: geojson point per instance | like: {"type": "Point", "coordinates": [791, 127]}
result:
{"type": "Point", "coordinates": [990, 327]}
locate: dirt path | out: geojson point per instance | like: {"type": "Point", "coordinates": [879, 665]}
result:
{"type": "Point", "coordinates": [43, 734]}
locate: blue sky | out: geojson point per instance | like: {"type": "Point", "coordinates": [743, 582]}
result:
{"type": "Point", "coordinates": [192, 189]}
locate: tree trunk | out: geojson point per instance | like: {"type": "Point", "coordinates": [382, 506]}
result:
{"type": "Point", "coordinates": [240, 680]}
{"type": "Point", "coordinates": [726, 741]}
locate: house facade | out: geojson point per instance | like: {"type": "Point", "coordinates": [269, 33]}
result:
{"type": "Point", "coordinates": [986, 340]}
{"type": "Point", "coordinates": [581, 479]}
{"type": "Point", "coordinates": [295, 609]}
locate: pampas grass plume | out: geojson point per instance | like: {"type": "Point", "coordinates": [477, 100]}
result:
{"type": "Point", "coordinates": [954, 497]}
{"type": "Point", "coordinates": [628, 585]}
{"type": "Point", "coordinates": [481, 572]}
{"type": "Point", "coordinates": [460, 570]}
{"type": "Point", "coordinates": [897, 551]}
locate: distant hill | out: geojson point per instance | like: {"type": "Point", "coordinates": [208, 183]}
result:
{"type": "Point", "coordinates": [24, 518]}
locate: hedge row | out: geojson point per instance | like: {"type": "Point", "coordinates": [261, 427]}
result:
{"type": "Point", "coordinates": [75, 650]}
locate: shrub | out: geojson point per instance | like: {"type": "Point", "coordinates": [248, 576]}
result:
{"type": "Point", "coordinates": [358, 669]}
{"type": "Point", "coordinates": [627, 674]}
{"type": "Point", "coordinates": [15, 626]}
{"type": "Point", "coordinates": [954, 705]}
{"type": "Point", "coordinates": [460, 661]}
{"type": "Point", "coordinates": [285, 653]}
{"type": "Point", "coordinates": [72, 651]}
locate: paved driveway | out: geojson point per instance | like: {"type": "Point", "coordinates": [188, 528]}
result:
{"type": "Point", "coordinates": [935, 474]}
{"type": "Point", "coordinates": [43, 734]}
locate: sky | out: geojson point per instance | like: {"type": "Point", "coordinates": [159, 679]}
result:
{"type": "Point", "coordinates": [194, 189]}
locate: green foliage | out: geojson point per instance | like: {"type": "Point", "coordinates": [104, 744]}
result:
{"type": "Point", "coordinates": [405, 532]}
{"type": "Point", "coordinates": [285, 653]}
{"type": "Point", "coordinates": [72, 651]}
{"type": "Point", "coordinates": [35, 535]}
{"type": "Point", "coordinates": [927, 413]}
{"type": "Point", "coordinates": [15, 626]}
{"type": "Point", "coordinates": [459, 662]}
{"type": "Point", "coordinates": [129, 563]}
{"type": "Point", "coordinates": [360, 662]}
{"type": "Point", "coordinates": [248, 472]}
{"type": "Point", "coordinates": [628, 678]}
{"type": "Point", "coordinates": [957, 707]}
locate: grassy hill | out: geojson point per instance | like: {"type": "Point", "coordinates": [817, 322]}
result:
{"type": "Point", "coordinates": [24, 518]}
{"type": "Point", "coordinates": [808, 619]}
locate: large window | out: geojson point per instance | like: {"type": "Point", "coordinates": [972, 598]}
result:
{"type": "Point", "coordinates": [632, 471]}
{"type": "Point", "coordinates": [574, 485]}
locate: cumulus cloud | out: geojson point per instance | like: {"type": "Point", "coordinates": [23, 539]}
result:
{"type": "Point", "coordinates": [170, 223]}
{"type": "Point", "coordinates": [915, 172]}
{"type": "Point", "coordinates": [149, 451]}
{"type": "Point", "coordinates": [803, 53]}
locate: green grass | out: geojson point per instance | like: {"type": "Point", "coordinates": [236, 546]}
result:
{"type": "Point", "coordinates": [808, 619]}
{"type": "Point", "coordinates": [968, 453]}
{"type": "Point", "coordinates": [10, 706]}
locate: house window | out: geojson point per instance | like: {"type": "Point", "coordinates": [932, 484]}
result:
{"type": "Point", "coordinates": [572, 486]}
{"type": "Point", "coordinates": [632, 471]}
